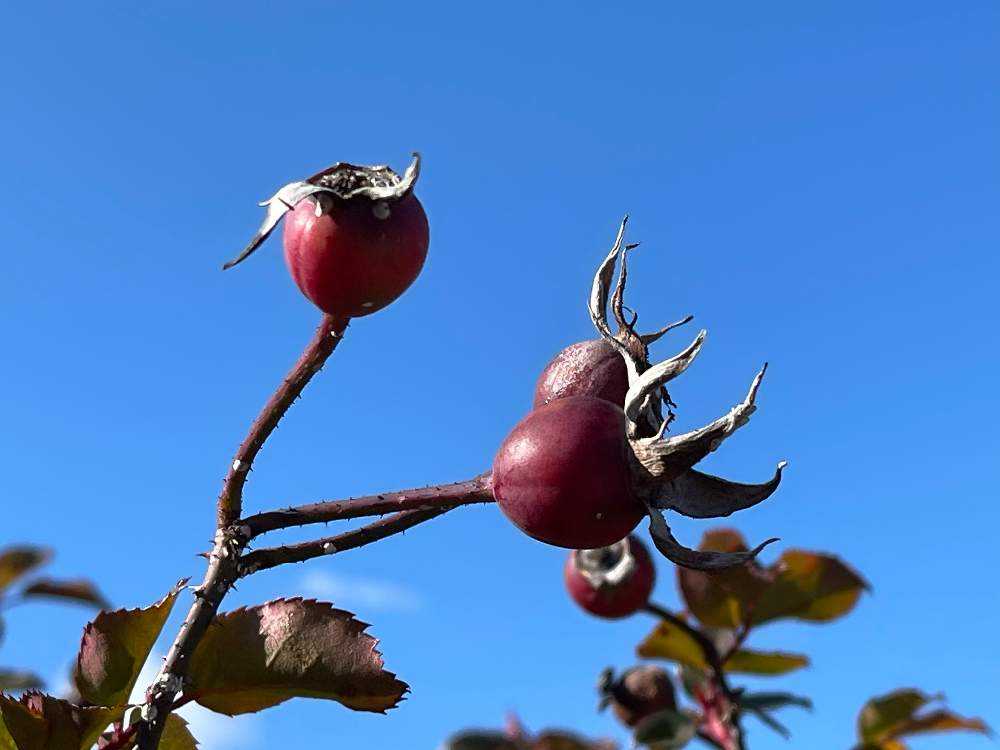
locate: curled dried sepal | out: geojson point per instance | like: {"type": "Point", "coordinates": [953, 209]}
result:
{"type": "Point", "coordinates": [678, 554]}
{"type": "Point", "coordinates": [646, 387]}
{"type": "Point", "coordinates": [699, 495]}
{"type": "Point", "coordinates": [343, 182]}
{"type": "Point", "coordinates": [598, 303]}
{"type": "Point", "coordinates": [652, 338]}
{"type": "Point", "coordinates": [665, 459]}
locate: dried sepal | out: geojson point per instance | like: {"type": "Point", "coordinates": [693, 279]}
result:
{"type": "Point", "coordinates": [342, 182]}
{"type": "Point", "coordinates": [666, 458]}
{"type": "Point", "coordinates": [598, 302]}
{"type": "Point", "coordinates": [686, 557]}
{"type": "Point", "coordinates": [647, 386]}
{"type": "Point", "coordinates": [698, 495]}
{"type": "Point", "coordinates": [652, 338]}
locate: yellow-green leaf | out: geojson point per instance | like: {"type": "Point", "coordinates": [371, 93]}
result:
{"type": "Point", "coordinates": [114, 648]}
{"type": "Point", "coordinates": [176, 735]}
{"type": "Point", "coordinates": [748, 661]}
{"type": "Point", "coordinates": [17, 560]}
{"type": "Point", "coordinates": [251, 659]}
{"type": "Point", "coordinates": [667, 641]}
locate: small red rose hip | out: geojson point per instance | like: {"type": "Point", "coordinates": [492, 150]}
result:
{"type": "Point", "coordinates": [611, 582]}
{"type": "Point", "coordinates": [563, 474]}
{"type": "Point", "coordinates": [356, 238]}
{"type": "Point", "coordinates": [587, 368]}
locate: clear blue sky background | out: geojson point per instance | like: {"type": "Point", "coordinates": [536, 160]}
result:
{"type": "Point", "coordinates": [817, 182]}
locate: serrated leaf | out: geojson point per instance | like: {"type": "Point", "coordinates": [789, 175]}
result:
{"type": "Point", "coordinates": [114, 647]}
{"type": "Point", "coordinates": [886, 718]}
{"type": "Point", "coordinates": [251, 659]}
{"type": "Point", "coordinates": [176, 735]}
{"type": "Point", "coordinates": [479, 739]}
{"type": "Point", "coordinates": [13, 679]}
{"type": "Point", "coordinates": [17, 560]}
{"type": "Point", "coordinates": [41, 722]}
{"type": "Point", "coordinates": [666, 729]}
{"type": "Point", "coordinates": [803, 585]}
{"type": "Point", "coordinates": [748, 661]}
{"type": "Point", "coordinates": [77, 590]}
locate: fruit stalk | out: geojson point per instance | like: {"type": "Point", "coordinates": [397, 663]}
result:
{"type": "Point", "coordinates": [230, 538]}
{"type": "Point", "coordinates": [435, 502]}
{"type": "Point", "coordinates": [470, 491]}
{"type": "Point", "coordinates": [328, 336]}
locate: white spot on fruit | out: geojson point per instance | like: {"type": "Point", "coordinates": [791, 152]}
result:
{"type": "Point", "coordinates": [368, 304]}
{"type": "Point", "coordinates": [599, 516]}
{"type": "Point", "coordinates": [381, 210]}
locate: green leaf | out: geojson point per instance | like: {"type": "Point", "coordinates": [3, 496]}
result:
{"type": "Point", "coordinates": [804, 585]}
{"type": "Point", "coordinates": [251, 659]}
{"type": "Point", "coordinates": [77, 590]}
{"type": "Point", "coordinates": [176, 735]}
{"type": "Point", "coordinates": [748, 661]}
{"type": "Point", "coordinates": [886, 718]}
{"type": "Point", "coordinates": [12, 679]}
{"type": "Point", "coordinates": [667, 641]}
{"type": "Point", "coordinates": [479, 739]}
{"type": "Point", "coordinates": [767, 701]}
{"type": "Point", "coordinates": [667, 729]}
{"type": "Point", "coordinates": [114, 648]}
{"type": "Point", "coordinates": [41, 722]}
{"type": "Point", "coordinates": [17, 560]}
{"type": "Point", "coordinates": [771, 722]}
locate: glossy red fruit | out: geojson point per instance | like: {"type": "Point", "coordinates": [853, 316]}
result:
{"type": "Point", "coordinates": [563, 474]}
{"type": "Point", "coordinates": [351, 258]}
{"type": "Point", "coordinates": [587, 368]}
{"type": "Point", "coordinates": [613, 581]}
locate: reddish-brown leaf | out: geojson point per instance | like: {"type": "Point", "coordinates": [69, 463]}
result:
{"type": "Point", "coordinates": [803, 585]}
{"type": "Point", "coordinates": [114, 648]}
{"type": "Point", "coordinates": [251, 659]}
{"type": "Point", "coordinates": [41, 722]}
{"type": "Point", "coordinates": [76, 589]}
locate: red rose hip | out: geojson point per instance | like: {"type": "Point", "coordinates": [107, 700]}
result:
{"type": "Point", "coordinates": [563, 474]}
{"type": "Point", "coordinates": [356, 239]}
{"type": "Point", "coordinates": [351, 258]}
{"type": "Point", "coordinates": [613, 581]}
{"type": "Point", "coordinates": [586, 368]}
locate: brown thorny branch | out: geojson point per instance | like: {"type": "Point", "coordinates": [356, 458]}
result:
{"type": "Point", "coordinates": [227, 561]}
{"type": "Point", "coordinates": [716, 662]}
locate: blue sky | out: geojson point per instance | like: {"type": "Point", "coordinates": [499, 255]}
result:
{"type": "Point", "coordinates": [817, 182]}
